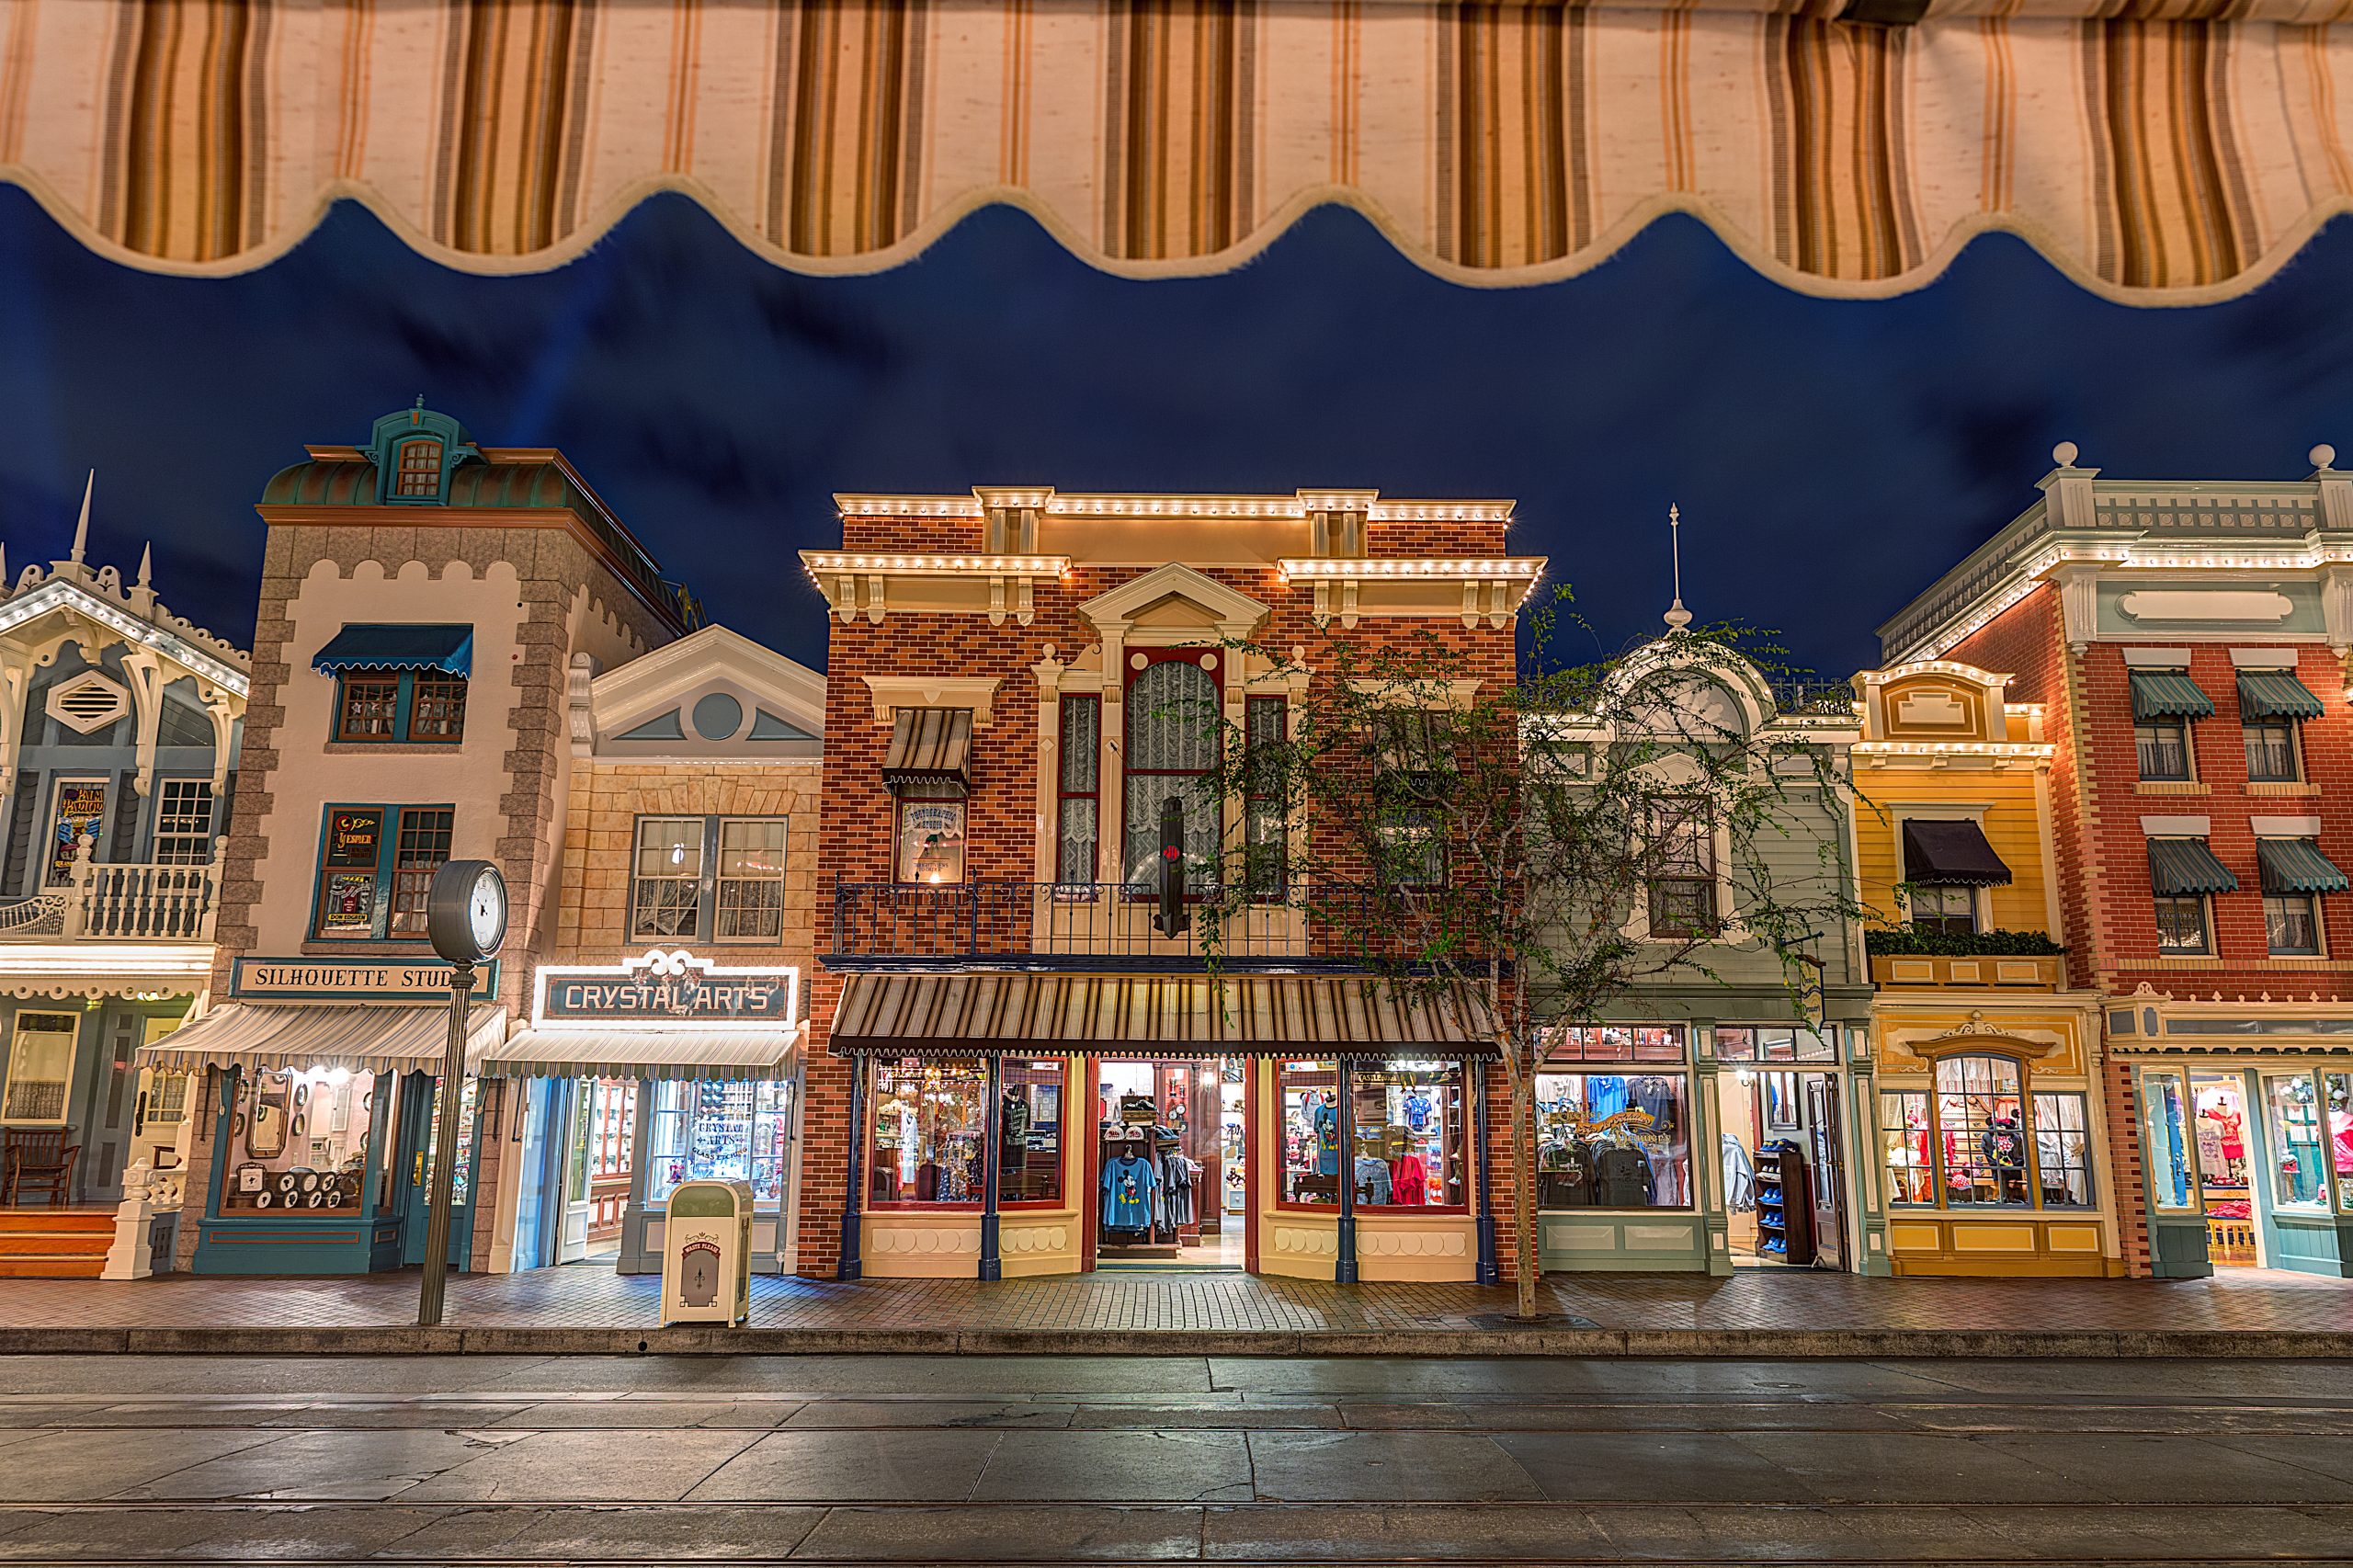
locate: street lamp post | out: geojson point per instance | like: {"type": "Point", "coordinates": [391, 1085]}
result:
{"type": "Point", "coordinates": [465, 917]}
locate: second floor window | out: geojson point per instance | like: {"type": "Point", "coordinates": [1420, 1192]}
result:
{"type": "Point", "coordinates": [1265, 831]}
{"type": "Point", "coordinates": [708, 879]}
{"type": "Point", "coordinates": [184, 823]}
{"type": "Point", "coordinates": [1079, 825]}
{"type": "Point", "coordinates": [2291, 924]}
{"type": "Point", "coordinates": [2271, 751]}
{"type": "Point", "coordinates": [2272, 703]}
{"type": "Point", "coordinates": [1171, 744]}
{"type": "Point", "coordinates": [2294, 875]}
{"type": "Point", "coordinates": [928, 843]}
{"type": "Point", "coordinates": [376, 866]}
{"type": "Point", "coordinates": [2165, 703]}
{"type": "Point", "coordinates": [1946, 911]}
{"type": "Point", "coordinates": [2163, 747]}
{"type": "Point", "coordinates": [2181, 924]}
{"type": "Point", "coordinates": [1683, 876]}
{"type": "Point", "coordinates": [378, 707]}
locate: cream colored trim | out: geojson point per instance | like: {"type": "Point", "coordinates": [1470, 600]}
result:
{"type": "Point", "coordinates": [892, 693]}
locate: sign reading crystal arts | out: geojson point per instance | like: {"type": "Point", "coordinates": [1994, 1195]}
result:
{"type": "Point", "coordinates": [352, 980]}
{"type": "Point", "coordinates": [665, 991]}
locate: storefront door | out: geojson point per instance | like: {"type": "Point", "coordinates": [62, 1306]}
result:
{"type": "Point", "coordinates": [536, 1195]}
{"type": "Point", "coordinates": [418, 1131]}
{"type": "Point", "coordinates": [1826, 1166]}
{"type": "Point", "coordinates": [1172, 1138]}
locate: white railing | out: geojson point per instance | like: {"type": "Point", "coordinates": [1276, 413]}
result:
{"type": "Point", "coordinates": [121, 903]}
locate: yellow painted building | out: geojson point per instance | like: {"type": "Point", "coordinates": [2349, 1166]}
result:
{"type": "Point", "coordinates": [1987, 1116]}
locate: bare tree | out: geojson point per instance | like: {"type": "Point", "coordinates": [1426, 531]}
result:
{"type": "Point", "coordinates": [1523, 854]}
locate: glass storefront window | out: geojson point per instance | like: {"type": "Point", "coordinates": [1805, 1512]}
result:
{"type": "Point", "coordinates": [2338, 1089]}
{"type": "Point", "coordinates": [1775, 1043]}
{"type": "Point", "coordinates": [1907, 1140]}
{"type": "Point", "coordinates": [1310, 1092]}
{"type": "Point", "coordinates": [298, 1141]}
{"type": "Point", "coordinates": [1410, 1132]}
{"type": "Point", "coordinates": [1030, 1132]}
{"type": "Point", "coordinates": [2291, 1115]}
{"type": "Point", "coordinates": [718, 1131]}
{"type": "Point", "coordinates": [927, 1134]}
{"type": "Point", "coordinates": [2164, 1118]}
{"type": "Point", "coordinates": [1981, 1130]}
{"type": "Point", "coordinates": [1608, 1141]}
{"type": "Point", "coordinates": [2062, 1144]}
{"type": "Point", "coordinates": [1614, 1042]}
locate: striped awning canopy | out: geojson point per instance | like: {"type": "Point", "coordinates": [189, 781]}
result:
{"type": "Point", "coordinates": [1951, 854]}
{"type": "Point", "coordinates": [2297, 866]}
{"type": "Point", "coordinates": [2185, 868]}
{"type": "Point", "coordinates": [362, 1039]}
{"type": "Point", "coordinates": [723, 1054]}
{"type": "Point", "coordinates": [2169, 694]}
{"type": "Point", "coordinates": [928, 745]}
{"type": "Point", "coordinates": [2276, 694]}
{"type": "Point", "coordinates": [2176, 151]}
{"type": "Point", "coordinates": [986, 1015]}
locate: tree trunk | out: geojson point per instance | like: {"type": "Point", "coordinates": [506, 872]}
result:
{"type": "Point", "coordinates": [1523, 1197]}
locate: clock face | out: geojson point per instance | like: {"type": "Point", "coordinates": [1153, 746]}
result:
{"type": "Point", "coordinates": [486, 911]}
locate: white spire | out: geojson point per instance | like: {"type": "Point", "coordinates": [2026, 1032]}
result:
{"type": "Point", "coordinates": [81, 528]}
{"type": "Point", "coordinates": [146, 563]}
{"type": "Point", "coordinates": [1677, 617]}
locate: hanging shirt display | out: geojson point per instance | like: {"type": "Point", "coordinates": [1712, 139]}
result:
{"type": "Point", "coordinates": [1129, 1187]}
{"type": "Point", "coordinates": [1327, 1139]}
{"type": "Point", "coordinates": [1604, 1096]}
{"type": "Point", "coordinates": [1371, 1180]}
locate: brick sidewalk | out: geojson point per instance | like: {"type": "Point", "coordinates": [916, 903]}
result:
{"type": "Point", "coordinates": [592, 1296]}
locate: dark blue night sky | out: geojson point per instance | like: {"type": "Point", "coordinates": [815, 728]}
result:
{"type": "Point", "coordinates": [1830, 458]}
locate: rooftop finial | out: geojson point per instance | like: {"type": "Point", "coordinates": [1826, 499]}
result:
{"type": "Point", "coordinates": [146, 563]}
{"type": "Point", "coordinates": [416, 414]}
{"type": "Point", "coordinates": [2322, 456]}
{"type": "Point", "coordinates": [1677, 617]}
{"type": "Point", "coordinates": [2065, 454]}
{"type": "Point", "coordinates": [81, 528]}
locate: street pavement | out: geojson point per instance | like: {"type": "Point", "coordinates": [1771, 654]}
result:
{"type": "Point", "coordinates": [1110, 1459]}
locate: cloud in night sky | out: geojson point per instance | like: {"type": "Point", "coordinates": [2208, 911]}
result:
{"type": "Point", "coordinates": [1830, 458]}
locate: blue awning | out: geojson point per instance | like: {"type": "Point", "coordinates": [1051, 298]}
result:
{"type": "Point", "coordinates": [449, 649]}
{"type": "Point", "coordinates": [2168, 694]}
{"type": "Point", "coordinates": [2275, 694]}
{"type": "Point", "coordinates": [2185, 868]}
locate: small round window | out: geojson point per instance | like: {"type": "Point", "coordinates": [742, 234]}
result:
{"type": "Point", "coordinates": [717, 717]}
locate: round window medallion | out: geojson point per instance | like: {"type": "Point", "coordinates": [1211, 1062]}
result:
{"type": "Point", "coordinates": [717, 717]}
{"type": "Point", "coordinates": [1208, 660]}
{"type": "Point", "coordinates": [1137, 661]}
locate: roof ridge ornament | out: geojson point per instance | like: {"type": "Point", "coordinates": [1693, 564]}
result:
{"type": "Point", "coordinates": [1677, 617]}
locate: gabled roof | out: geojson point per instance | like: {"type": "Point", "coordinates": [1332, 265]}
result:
{"type": "Point", "coordinates": [71, 591]}
{"type": "Point", "coordinates": [659, 682]}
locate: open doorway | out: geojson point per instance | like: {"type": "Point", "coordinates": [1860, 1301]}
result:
{"type": "Point", "coordinates": [1171, 1189]}
{"type": "Point", "coordinates": [1784, 1177]}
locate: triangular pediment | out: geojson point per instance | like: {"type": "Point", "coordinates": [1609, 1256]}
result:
{"type": "Point", "coordinates": [1175, 596]}
{"type": "Point", "coordinates": [713, 688]}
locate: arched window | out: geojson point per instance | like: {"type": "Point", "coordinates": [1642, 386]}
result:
{"type": "Point", "coordinates": [1172, 746]}
{"type": "Point", "coordinates": [1984, 1138]}
{"type": "Point", "coordinates": [417, 470]}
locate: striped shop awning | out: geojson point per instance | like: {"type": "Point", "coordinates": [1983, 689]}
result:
{"type": "Point", "coordinates": [928, 745]}
{"type": "Point", "coordinates": [992, 1014]}
{"type": "Point", "coordinates": [2297, 866]}
{"type": "Point", "coordinates": [2185, 868]}
{"type": "Point", "coordinates": [2169, 694]}
{"type": "Point", "coordinates": [2276, 694]}
{"type": "Point", "coordinates": [689, 1054]}
{"type": "Point", "coordinates": [362, 1039]}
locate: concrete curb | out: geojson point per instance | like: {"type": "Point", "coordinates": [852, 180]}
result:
{"type": "Point", "coordinates": [713, 1339]}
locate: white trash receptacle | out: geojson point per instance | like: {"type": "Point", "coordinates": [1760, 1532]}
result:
{"type": "Point", "coordinates": [707, 1253]}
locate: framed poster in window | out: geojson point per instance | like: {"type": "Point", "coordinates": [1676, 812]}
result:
{"type": "Point", "coordinates": [78, 812]}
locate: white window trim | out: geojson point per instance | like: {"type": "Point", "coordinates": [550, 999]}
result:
{"type": "Point", "coordinates": [72, 1062]}
{"type": "Point", "coordinates": [715, 848]}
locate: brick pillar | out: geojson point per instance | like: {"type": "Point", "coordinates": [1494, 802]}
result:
{"type": "Point", "coordinates": [2124, 1165]}
{"type": "Point", "coordinates": [826, 1135]}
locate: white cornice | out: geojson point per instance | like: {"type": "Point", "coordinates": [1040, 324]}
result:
{"type": "Point", "coordinates": [183, 643]}
{"type": "Point", "coordinates": [892, 693]}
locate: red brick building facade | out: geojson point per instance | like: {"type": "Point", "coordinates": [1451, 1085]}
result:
{"type": "Point", "coordinates": [990, 975]}
{"type": "Point", "coordinates": [2187, 644]}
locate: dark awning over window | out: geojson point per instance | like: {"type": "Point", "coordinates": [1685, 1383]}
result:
{"type": "Point", "coordinates": [1951, 853]}
{"type": "Point", "coordinates": [2185, 868]}
{"type": "Point", "coordinates": [2296, 865]}
{"type": "Point", "coordinates": [449, 649]}
{"type": "Point", "coordinates": [2168, 694]}
{"type": "Point", "coordinates": [2275, 694]}
{"type": "Point", "coordinates": [928, 745]}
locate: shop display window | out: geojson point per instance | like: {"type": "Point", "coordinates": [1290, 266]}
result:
{"type": "Point", "coordinates": [1310, 1092]}
{"type": "Point", "coordinates": [1029, 1132]}
{"type": "Point", "coordinates": [2164, 1116]}
{"type": "Point", "coordinates": [1610, 1141]}
{"type": "Point", "coordinates": [927, 1134]}
{"type": "Point", "coordinates": [298, 1141]}
{"type": "Point", "coordinates": [1407, 1119]}
{"type": "Point", "coordinates": [1777, 1043]}
{"type": "Point", "coordinates": [930, 836]}
{"type": "Point", "coordinates": [1967, 1142]}
{"type": "Point", "coordinates": [1908, 1138]}
{"type": "Point", "coordinates": [2338, 1089]}
{"type": "Point", "coordinates": [708, 1131]}
{"type": "Point", "coordinates": [2291, 1116]}
{"type": "Point", "coordinates": [1614, 1042]}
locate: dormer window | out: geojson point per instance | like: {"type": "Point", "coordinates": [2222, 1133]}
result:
{"type": "Point", "coordinates": [417, 473]}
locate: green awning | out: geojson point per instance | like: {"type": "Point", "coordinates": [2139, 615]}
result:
{"type": "Point", "coordinates": [449, 649]}
{"type": "Point", "coordinates": [2168, 694]}
{"type": "Point", "coordinates": [2275, 694]}
{"type": "Point", "coordinates": [2185, 868]}
{"type": "Point", "coordinates": [2296, 865]}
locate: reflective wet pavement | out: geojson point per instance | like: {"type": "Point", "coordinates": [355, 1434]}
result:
{"type": "Point", "coordinates": [867, 1459]}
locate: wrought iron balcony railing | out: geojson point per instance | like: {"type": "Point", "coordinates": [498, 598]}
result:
{"type": "Point", "coordinates": [1080, 926]}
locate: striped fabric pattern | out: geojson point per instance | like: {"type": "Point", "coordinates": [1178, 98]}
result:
{"type": "Point", "coordinates": [2155, 149]}
{"type": "Point", "coordinates": [985, 1014]}
{"type": "Point", "coordinates": [361, 1038]}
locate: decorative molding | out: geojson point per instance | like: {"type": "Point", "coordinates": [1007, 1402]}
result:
{"type": "Point", "coordinates": [892, 693]}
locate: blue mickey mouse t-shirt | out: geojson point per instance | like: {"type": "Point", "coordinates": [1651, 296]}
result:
{"type": "Point", "coordinates": [1128, 1186]}
{"type": "Point", "coordinates": [1327, 1141]}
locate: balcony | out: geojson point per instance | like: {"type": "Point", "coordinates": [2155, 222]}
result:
{"type": "Point", "coordinates": [1076, 925]}
{"type": "Point", "coordinates": [2025, 972]}
{"type": "Point", "coordinates": [120, 902]}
